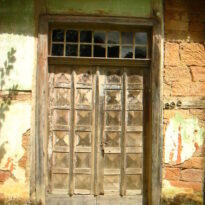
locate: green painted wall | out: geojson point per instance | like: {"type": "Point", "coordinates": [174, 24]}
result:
{"type": "Point", "coordinates": [17, 44]}
{"type": "Point", "coordinates": [17, 16]}
{"type": "Point", "coordinates": [131, 8]}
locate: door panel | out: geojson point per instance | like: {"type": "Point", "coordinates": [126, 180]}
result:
{"type": "Point", "coordinates": [95, 142]}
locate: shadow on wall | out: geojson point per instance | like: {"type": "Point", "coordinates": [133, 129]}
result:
{"type": "Point", "coordinates": [12, 92]}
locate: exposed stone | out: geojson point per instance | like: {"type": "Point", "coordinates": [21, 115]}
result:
{"type": "Point", "coordinates": [193, 163]}
{"type": "Point", "coordinates": [172, 74]}
{"type": "Point", "coordinates": [192, 54]}
{"type": "Point", "coordinates": [188, 89]}
{"type": "Point", "coordinates": [198, 73]}
{"type": "Point", "coordinates": [196, 186]}
{"type": "Point", "coordinates": [172, 174]}
{"type": "Point", "coordinates": [172, 54]}
{"type": "Point", "coordinates": [192, 175]}
{"type": "Point", "coordinates": [4, 175]}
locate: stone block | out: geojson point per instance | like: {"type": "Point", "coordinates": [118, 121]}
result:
{"type": "Point", "coordinates": [192, 175]}
{"type": "Point", "coordinates": [196, 186]}
{"type": "Point", "coordinates": [192, 54]}
{"type": "Point", "coordinates": [172, 54]}
{"type": "Point", "coordinates": [172, 174]}
{"type": "Point", "coordinates": [188, 89]}
{"type": "Point", "coordinates": [198, 73]}
{"type": "Point", "coordinates": [179, 73]}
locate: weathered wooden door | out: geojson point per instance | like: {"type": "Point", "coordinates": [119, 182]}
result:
{"type": "Point", "coordinates": [95, 138]}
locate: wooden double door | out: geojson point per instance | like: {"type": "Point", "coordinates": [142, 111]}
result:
{"type": "Point", "coordinates": [95, 138]}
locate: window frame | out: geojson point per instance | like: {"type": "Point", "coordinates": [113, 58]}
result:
{"type": "Point", "coordinates": [154, 125]}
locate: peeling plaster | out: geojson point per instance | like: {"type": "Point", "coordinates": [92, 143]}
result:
{"type": "Point", "coordinates": [17, 122]}
{"type": "Point", "coordinates": [182, 138]}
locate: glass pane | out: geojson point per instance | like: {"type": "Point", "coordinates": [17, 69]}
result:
{"type": "Point", "coordinates": [99, 37]}
{"type": "Point", "coordinates": [113, 37]}
{"type": "Point", "coordinates": [113, 51]}
{"type": "Point", "coordinates": [71, 50]}
{"type": "Point", "coordinates": [72, 36]}
{"type": "Point", "coordinates": [127, 52]}
{"type": "Point", "coordinates": [140, 52]}
{"type": "Point", "coordinates": [85, 50]}
{"type": "Point", "coordinates": [58, 35]}
{"type": "Point", "coordinates": [99, 51]}
{"type": "Point", "coordinates": [141, 38]}
{"type": "Point", "coordinates": [86, 36]}
{"type": "Point", "coordinates": [57, 49]}
{"type": "Point", "coordinates": [127, 38]}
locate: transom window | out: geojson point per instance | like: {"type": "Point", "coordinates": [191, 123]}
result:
{"type": "Point", "coordinates": [99, 44]}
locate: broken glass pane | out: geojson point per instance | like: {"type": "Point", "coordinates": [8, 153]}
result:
{"type": "Point", "coordinates": [99, 37]}
{"type": "Point", "coordinates": [127, 52]}
{"type": "Point", "coordinates": [113, 37]}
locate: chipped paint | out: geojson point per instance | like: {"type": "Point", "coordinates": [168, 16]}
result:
{"type": "Point", "coordinates": [182, 138]}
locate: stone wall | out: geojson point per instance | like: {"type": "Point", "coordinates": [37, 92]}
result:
{"type": "Point", "coordinates": [184, 97]}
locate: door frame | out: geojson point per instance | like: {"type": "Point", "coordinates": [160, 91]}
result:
{"type": "Point", "coordinates": [154, 125]}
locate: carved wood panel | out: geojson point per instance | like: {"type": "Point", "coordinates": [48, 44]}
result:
{"type": "Point", "coordinates": [95, 141]}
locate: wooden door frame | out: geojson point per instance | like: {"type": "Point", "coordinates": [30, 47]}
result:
{"type": "Point", "coordinates": [154, 127]}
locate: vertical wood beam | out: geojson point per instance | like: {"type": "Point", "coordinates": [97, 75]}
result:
{"type": "Point", "coordinates": [41, 112]}
{"type": "Point", "coordinates": [157, 101]}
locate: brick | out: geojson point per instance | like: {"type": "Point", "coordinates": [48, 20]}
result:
{"type": "Point", "coordinates": [188, 89]}
{"type": "Point", "coordinates": [172, 54]}
{"type": "Point", "coordinates": [192, 175]}
{"type": "Point", "coordinates": [179, 73]}
{"type": "Point", "coordinates": [4, 175]}
{"type": "Point", "coordinates": [196, 186]}
{"type": "Point", "coordinates": [192, 54]}
{"type": "Point", "coordinates": [172, 174]}
{"type": "Point", "coordinates": [194, 162]}
{"type": "Point", "coordinates": [198, 73]}
{"type": "Point", "coordinates": [196, 26]}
